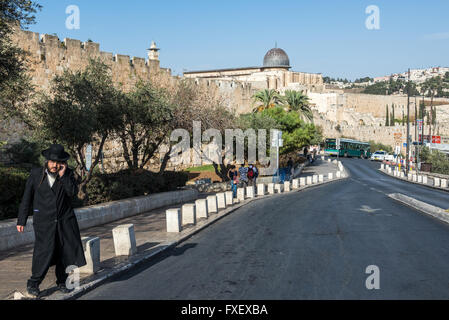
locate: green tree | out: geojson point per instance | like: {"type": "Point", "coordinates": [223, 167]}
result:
{"type": "Point", "coordinates": [387, 117]}
{"type": "Point", "coordinates": [81, 109]}
{"type": "Point", "coordinates": [297, 101]}
{"type": "Point", "coordinates": [15, 85]}
{"type": "Point", "coordinates": [266, 99]}
{"type": "Point", "coordinates": [145, 116]}
{"type": "Point", "coordinates": [296, 133]}
{"type": "Point", "coordinates": [392, 120]}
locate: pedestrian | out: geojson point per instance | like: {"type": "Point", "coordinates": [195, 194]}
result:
{"type": "Point", "coordinates": [256, 173]}
{"type": "Point", "coordinates": [243, 173]}
{"type": "Point", "coordinates": [251, 175]}
{"type": "Point", "coordinates": [290, 168]}
{"type": "Point", "coordinates": [314, 152]}
{"type": "Point", "coordinates": [48, 193]}
{"type": "Point", "coordinates": [234, 177]}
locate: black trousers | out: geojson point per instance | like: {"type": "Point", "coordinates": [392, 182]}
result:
{"type": "Point", "coordinates": [38, 274]}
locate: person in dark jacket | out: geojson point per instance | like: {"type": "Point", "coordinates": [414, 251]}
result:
{"type": "Point", "coordinates": [48, 194]}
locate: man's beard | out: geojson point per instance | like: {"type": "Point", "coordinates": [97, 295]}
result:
{"type": "Point", "coordinates": [52, 174]}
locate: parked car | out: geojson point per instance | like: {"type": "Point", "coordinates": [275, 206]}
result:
{"type": "Point", "coordinates": [378, 156]}
{"type": "Point", "coordinates": [390, 157]}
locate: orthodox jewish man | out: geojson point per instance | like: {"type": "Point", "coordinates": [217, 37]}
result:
{"type": "Point", "coordinates": [48, 194]}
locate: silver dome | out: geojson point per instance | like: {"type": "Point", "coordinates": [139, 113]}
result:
{"type": "Point", "coordinates": [276, 57]}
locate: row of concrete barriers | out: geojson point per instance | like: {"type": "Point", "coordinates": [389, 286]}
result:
{"type": "Point", "coordinates": [177, 218]}
{"type": "Point", "coordinates": [414, 177]}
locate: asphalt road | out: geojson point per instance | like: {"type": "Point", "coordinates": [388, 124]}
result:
{"type": "Point", "coordinates": [314, 244]}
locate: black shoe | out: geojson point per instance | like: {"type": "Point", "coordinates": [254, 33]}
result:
{"type": "Point", "coordinates": [63, 289]}
{"type": "Point", "coordinates": [33, 292]}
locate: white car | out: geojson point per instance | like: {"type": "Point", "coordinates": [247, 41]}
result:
{"type": "Point", "coordinates": [390, 157]}
{"type": "Point", "coordinates": [378, 156]}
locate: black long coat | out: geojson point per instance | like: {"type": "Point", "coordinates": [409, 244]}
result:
{"type": "Point", "coordinates": [53, 216]}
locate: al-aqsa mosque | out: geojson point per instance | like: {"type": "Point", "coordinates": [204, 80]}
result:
{"type": "Point", "coordinates": [275, 73]}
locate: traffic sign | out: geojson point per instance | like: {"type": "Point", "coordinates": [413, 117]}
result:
{"type": "Point", "coordinates": [436, 139]}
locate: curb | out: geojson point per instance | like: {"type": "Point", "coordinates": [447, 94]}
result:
{"type": "Point", "coordinates": [163, 247]}
{"type": "Point", "coordinates": [429, 209]}
{"type": "Point", "coordinates": [420, 184]}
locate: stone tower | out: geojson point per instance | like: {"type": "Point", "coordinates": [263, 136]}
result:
{"type": "Point", "coordinates": [153, 56]}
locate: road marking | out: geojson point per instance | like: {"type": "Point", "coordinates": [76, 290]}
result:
{"type": "Point", "coordinates": [377, 190]}
{"type": "Point", "coordinates": [368, 209]}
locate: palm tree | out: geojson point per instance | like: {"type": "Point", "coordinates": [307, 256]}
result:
{"type": "Point", "coordinates": [266, 99]}
{"type": "Point", "coordinates": [297, 101]}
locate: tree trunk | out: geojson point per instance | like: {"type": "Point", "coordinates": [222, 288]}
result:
{"type": "Point", "coordinates": [165, 159]}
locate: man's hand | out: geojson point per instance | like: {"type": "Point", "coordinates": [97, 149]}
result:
{"type": "Point", "coordinates": [20, 228]}
{"type": "Point", "coordinates": [62, 170]}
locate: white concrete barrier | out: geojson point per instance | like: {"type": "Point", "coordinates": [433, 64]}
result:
{"type": "Point", "coordinates": [443, 183]}
{"type": "Point", "coordinates": [320, 178]}
{"type": "Point", "coordinates": [424, 179]}
{"type": "Point", "coordinates": [409, 176]}
{"type": "Point", "coordinates": [338, 174]}
{"type": "Point", "coordinates": [229, 198]}
{"type": "Point", "coordinates": [124, 240]}
{"type": "Point", "coordinates": [91, 246]}
{"type": "Point", "coordinates": [315, 178]}
{"type": "Point", "coordinates": [309, 180]}
{"type": "Point", "coordinates": [402, 174]}
{"type": "Point", "coordinates": [212, 206]}
{"type": "Point", "coordinates": [382, 166]}
{"type": "Point", "coordinates": [98, 214]}
{"type": "Point", "coordinates": [286, 186]}
{"type": "Point", "coordinates": [278, 187]}
{"type": "Point", "coordinates": [330, 176]}
{"type": "Point", "coordinates": [201, 208]}
{"type": "Point", "coordinates": [415, 178]}
{"type": "Point", "coordinates": [173, 220]}
{"type": "Point", "coordinates": [322, 158]}
{"type": "Point", "coordinates": [436, 182]}
{"type": "Point", "coordinates": [188, 213]}
{"type": "Point", "coordinates": [271, 188]}
{"type": "Point", "coordinates": [295, 183]}
{"type": "Point", "coordinates": [260, 189]}
{"type": "Point", "coordinates": [221, 200]}
{"type": "Point", "coordinates": [302, 181]}
{"type": "Point", "coordinates": [241, 194]}
{"type": "Point", "coordinates": [250, 192]}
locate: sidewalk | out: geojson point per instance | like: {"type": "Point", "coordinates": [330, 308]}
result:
{"type": "Point", "coordinates": [430, 179]}
{"type": "Point", "coordinates": [151, 238]}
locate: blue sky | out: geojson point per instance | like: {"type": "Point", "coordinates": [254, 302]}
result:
{"type": "Point", "coordinates": [321, 36]}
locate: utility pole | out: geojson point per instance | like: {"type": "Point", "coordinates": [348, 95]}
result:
{"type": "Point", "coordinates": [408, 126]}
{"type": "Point", "coordinates": [416, 134]}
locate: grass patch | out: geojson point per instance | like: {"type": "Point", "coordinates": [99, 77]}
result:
{"type": "Point", "coordinates": [205, 168]}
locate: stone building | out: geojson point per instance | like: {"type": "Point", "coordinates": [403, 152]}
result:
{"type": "Point", "coordinates": [273, 74]}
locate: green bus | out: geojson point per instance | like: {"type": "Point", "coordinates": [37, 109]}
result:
{"type": "Point", "coordinates": [348, 148]}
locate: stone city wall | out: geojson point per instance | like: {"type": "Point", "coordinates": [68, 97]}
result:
{"type": "Point", "coordinates": [49, 57]}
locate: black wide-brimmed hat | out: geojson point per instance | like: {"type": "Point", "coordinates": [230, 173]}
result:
{"type": "Point", "coordinates": [56, 153]}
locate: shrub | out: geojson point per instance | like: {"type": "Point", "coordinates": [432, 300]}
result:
{"type": "Point", "coordinates": [25, 152]}
{"type": "Point", "coordinates": [128, 183]}
{"type": "Point", "coordinates": [12, 186]}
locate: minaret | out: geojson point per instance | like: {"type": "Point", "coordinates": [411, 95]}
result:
{"type": "Point", "coordinates": [153, 58]}
{"type": "Point", "coordinates": [153, 52]}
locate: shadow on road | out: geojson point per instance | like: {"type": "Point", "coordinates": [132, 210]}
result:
{"type": "Point", "coordinates": [177, 251]}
